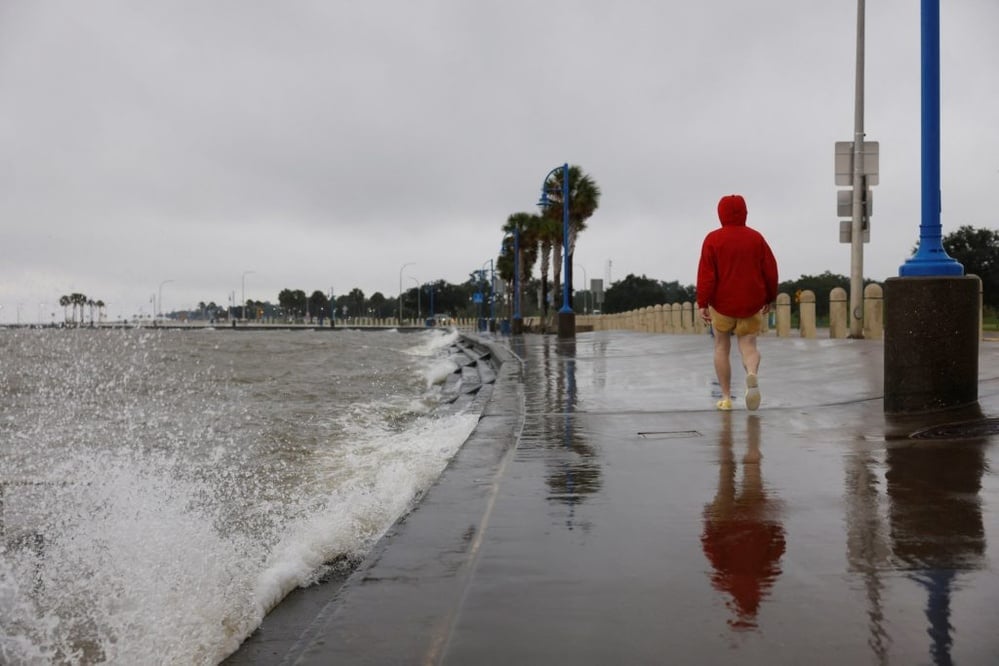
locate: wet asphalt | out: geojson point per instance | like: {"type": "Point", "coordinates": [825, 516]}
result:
{"type": "Point", "coordinates": [603, 512]}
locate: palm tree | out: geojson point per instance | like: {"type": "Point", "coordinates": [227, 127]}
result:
{"type": "Point", "coordinates": [100, 309]}
{"type": "Point", "coordinates": [584, 199]}
{"type": "Point", "coordinates": [64, 302]}
{"type": "Point", "coordinates": [78, 300]}
{"type": "Point", "coordinates": [549, 234]}
{"type": "Point", "coordinates": [528, 227]}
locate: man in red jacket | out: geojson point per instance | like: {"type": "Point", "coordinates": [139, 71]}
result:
{"type": "Point", "coordinates": [736, 283]}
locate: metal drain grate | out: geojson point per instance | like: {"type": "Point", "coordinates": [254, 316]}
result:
{"type": "Point", "coordinates": [669, 434]}
{"type": "Point", "coordinates": [965, 430]}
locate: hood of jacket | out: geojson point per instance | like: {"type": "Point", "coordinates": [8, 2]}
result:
{"type": "Point", "coordinates": [732, 211]}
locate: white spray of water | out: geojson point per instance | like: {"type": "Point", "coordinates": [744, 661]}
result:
{"type": "Point", "coordinates": [166, 519]}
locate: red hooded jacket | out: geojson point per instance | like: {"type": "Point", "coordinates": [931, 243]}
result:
{"type": "Point", "coordinates": [737, 273]}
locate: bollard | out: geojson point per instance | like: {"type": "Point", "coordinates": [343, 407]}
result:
{"type": "Point", "coordinates": [874, 326]}
{"type": "Point", "coordinates": [657, 319]}
{"type": "Point", "coordinates": [931, 343]}
{"type": "Point", "coordinates": [838, 312]}
{"type": "Point", "coordinates": [783, 315]}
{"type": "Point", "coordinates": [687, 317]}
{"type": "Point", "coordinates": [806, 314]}
{"type": "Point", "coordinates": [676, 321]}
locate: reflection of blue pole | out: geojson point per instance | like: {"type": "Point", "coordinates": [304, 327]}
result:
{"type": "Point", "coordinates": [930, 258]}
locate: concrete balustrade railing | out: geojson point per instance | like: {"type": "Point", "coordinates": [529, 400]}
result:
{"type": "Point", "coordinates": [684, 318]}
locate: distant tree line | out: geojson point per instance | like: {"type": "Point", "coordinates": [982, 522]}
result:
{"type": "Point", "coordinates": [976, 249]}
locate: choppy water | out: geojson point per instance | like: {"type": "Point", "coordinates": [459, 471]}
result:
{"type": "Point", "coordinates": [162, 490]}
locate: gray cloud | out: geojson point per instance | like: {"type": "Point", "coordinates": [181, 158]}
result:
{"type": "Point", "coordinates": [325, 144]}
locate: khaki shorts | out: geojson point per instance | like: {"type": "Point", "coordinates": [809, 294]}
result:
{"type": "Point", "coordinates": [743, 326]}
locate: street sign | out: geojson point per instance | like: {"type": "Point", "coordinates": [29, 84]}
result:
{"type": "Point", "coordinates": [846, 231]}
{"type": "Point", "coordinates": [844, 162]}
{"type": "Point", "coordinates": [844, 203]}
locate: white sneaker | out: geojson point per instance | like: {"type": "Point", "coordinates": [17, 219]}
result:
{"type": "Point", "coordinates": [752, 392]}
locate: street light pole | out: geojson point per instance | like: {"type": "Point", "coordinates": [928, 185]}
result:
{"type": "Point", "coordinates": [859, 187]}
{"type": "Point", "coordinates": [419, 306]}
{"type": "Point", "coordinates": [566, 317]}
{"type": "Point", "coordinates": [931, 258]}
{"type": "Point", "coordinates": [160, 315]}
{"type": "Point", "coordinates": [242, 307]}
{"type": "Point", "coordinates": [586, 282]}
{"type": "Point", "coordinates": [401, 269]}
{"type": "Point", "coordinates": [492, 296]}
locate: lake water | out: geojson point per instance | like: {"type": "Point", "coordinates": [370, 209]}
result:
{"type": "Point", "coordinates": [162, 490]}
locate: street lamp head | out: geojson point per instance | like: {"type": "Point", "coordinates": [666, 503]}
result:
{"type": "Point", "coordinates": [544, 202]}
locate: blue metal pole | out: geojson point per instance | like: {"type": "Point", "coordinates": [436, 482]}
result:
{"type": "Point", "coordinates": [566, 308]}
{"type": "Point", "coordinates": [930, 259]}
{"type": "Point", "coordinates": [492, 293]}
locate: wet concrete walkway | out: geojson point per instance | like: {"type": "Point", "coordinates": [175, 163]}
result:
{"type": "Point", "coordinates": [604, 513]}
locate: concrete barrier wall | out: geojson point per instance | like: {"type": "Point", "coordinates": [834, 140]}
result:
{"type": "Point", "coordinates": [684, 318]}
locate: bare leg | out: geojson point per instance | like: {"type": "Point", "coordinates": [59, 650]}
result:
{"type": "Point", "coordinates": [750, 355]}
{"type": "Point", "coordinates": [751, 362]}
{"type": "Point", "coordinates": [723, 367]}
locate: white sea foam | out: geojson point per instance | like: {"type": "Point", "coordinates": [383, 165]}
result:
{"type": "Point", "coordinates": [183, 485]}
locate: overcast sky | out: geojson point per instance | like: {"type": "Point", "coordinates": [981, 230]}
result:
{"type": "Point", "coordinates": [325, 144]}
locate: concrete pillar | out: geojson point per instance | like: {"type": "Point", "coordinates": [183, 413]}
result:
{"type": "Point", "coordinates": [783, 315]}
{"type": "Point", "coordinates": [806, 314]}
{"type": "Point", "coordinates": [676, 322]}
{"type": "Point", "coordinates": [981, 313]}
{"type": "Point", "coordinates": [931, 343]}
{"type": "Point", "coordinates": [874, 316]}
{"type": "Point", "coordinates": [657, 319]}
{"type": "Point", "coordinates": [687, 317]}
{"type": "Point", "coordinates": [838, 324]}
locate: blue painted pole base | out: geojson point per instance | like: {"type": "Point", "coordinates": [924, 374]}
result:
{"type": "Point", "coordinates": [930, 263]}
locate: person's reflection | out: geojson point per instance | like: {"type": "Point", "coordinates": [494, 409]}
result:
{"type": "Point", "coordinates": [743, 536]}
{"type": "Point", "coordinates": [936, 524]}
